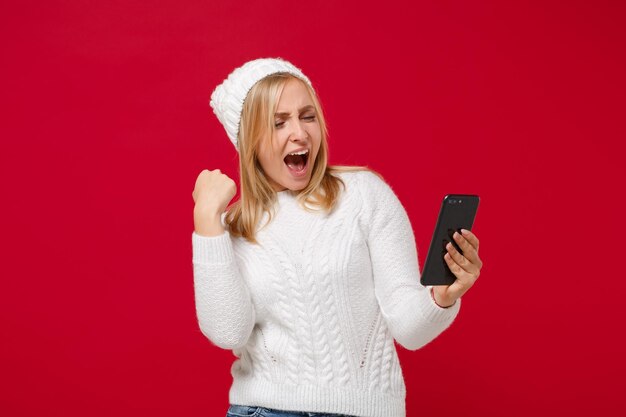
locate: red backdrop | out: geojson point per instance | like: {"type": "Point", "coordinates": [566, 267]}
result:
{"type": "Point", "coordinates": [106, 124]}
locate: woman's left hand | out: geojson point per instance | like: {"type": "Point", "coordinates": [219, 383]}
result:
{"type": "Point", "coordinates": [465, 267]}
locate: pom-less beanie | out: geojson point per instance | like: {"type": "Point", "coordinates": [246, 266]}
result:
{"type": "Point", "coordinates": [228, 97]}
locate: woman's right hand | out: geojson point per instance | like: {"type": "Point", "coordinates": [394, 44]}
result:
{"type": "Point", "coordinates": [212, 193]}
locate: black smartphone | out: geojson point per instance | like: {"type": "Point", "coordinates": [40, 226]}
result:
{"type": "Point", "coordinates": [457, 212]}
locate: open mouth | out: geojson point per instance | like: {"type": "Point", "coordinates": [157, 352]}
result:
{"type": "Point", "coordinates": [297, 161]}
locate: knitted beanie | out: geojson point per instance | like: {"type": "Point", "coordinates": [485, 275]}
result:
{"type": "Point", "coordinates": [227, 98]}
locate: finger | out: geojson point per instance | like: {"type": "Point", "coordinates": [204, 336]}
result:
{"type": "Point", "coordinates": [471, 238]}
{"type": "Point", "coordinates": [466, 247]}
{"type": "Point", "coordinates": [464, 279]}
{"type": "Point", "coordinates": [463, 282]}
{"type": "Point", "coordinates": [461, 260]}
{"type": "Point", "coordinates": [454, 267]}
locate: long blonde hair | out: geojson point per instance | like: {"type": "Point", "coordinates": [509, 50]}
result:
{"type": "Point", "coordinates": [257, 196]}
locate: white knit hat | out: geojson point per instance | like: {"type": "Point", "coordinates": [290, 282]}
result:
{"type": "Point", "coordinates": [227, 98]}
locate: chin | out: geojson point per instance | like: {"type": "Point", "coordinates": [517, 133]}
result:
{"type": "Point", "coordinates": [297, 186]}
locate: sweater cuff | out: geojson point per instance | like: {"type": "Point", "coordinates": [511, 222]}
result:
{"type": "Point", "coordinates": [432, 312]}
{"type": "Point", "coordinates": [212, 249]}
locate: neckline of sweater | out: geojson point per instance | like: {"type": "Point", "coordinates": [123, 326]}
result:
{"type": "Point", "coordinates": [287, 194]}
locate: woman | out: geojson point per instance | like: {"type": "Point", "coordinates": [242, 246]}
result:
{"type": "Point", "coordinates": [310, 276]}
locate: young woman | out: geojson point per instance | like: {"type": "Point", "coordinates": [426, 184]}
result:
{"type": "Point", "coordinates": [313, 273]}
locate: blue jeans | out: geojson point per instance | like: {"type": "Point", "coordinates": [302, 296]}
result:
{"type": "Point", "coordinates": [250, 411]}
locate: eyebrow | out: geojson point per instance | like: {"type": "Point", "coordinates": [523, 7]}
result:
{"type": "Point", "coordinates": [301, 110]}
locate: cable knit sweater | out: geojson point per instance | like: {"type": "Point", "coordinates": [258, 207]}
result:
{"type": "Point", "coordinates": [312, 312]}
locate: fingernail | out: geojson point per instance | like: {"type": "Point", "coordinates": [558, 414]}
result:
{"type": "Point", "coordinates": [464, 231]}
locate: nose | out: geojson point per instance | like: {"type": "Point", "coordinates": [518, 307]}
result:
{"type": "Point", "coordinates": [298, 132]}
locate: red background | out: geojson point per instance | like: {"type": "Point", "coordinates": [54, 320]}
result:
{"type": "Point", "coordinates": [106, 124]}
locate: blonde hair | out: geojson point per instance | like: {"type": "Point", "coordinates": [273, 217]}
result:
{"type": "Point", "coordinates": [257, 196]}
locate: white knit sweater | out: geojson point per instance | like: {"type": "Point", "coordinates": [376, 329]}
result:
{"type": "Point", "coordinates": [312, 313]}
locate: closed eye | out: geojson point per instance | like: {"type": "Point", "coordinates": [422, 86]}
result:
{"type": "Point", "coordinates": [280, 124]}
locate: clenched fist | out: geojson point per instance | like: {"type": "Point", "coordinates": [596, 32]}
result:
{"type": "Point", "coordinates": [211, 194]}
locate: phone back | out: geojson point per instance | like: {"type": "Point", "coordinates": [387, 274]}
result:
{"type": "Point", "coordinates": [458, 211]}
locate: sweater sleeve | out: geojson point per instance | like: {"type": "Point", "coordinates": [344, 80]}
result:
{"type": "Point", "coordinates": [406, 305]}
{"type": "Point", "coordinates": [224, 307]}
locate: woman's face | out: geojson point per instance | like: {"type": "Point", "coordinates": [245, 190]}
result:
{"type": "Point", "coordinates": [296, 139]}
